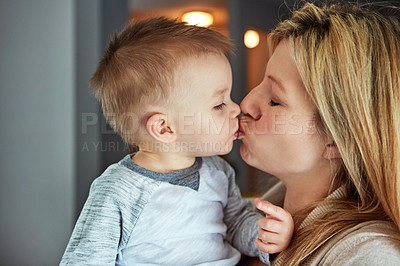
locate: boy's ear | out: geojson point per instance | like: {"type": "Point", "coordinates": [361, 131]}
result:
{"type": "Point", "coordinates": [331, 151]}
{"type": "Point", "coordinates": [158, 127]}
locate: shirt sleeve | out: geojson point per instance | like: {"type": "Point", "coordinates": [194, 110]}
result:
{"type": "Point", "coordinates": [241, 220]}
{"type": "Point", "coordinates": [95, 238]}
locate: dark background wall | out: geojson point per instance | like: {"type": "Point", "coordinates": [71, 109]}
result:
{"type": "Point", "coordinates": [37, 138]}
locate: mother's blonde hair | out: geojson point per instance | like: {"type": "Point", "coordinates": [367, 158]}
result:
{"type": "Point", "coordinates": [349, 60]}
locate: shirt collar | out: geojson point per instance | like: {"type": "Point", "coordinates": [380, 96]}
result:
{"type": "Point", "coordinates": [188, 177]}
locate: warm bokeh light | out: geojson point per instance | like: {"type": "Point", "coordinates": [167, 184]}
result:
{"type": "Point", "coordinates": [251, 39]}
{"type": "Point", "coordinates": [202, 19]}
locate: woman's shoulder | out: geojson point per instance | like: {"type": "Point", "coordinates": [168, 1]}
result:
{"type": "Point", "coordinates": [369, 243]}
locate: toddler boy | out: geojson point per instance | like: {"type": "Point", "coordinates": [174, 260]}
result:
{"type": "Point", "coordinates": [165, 87]}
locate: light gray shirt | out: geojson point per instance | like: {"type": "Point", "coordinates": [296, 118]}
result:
{"type": "Point", "coordinates": [195, 216]}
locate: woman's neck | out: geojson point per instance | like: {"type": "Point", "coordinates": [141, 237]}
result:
{"type": "Point", "coordinates": [303, 193]}
{"type": "Point", "coordinates": [163, 162]}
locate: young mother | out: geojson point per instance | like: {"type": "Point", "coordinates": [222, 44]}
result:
{"type": "Point", "coordinates": [326, 122]}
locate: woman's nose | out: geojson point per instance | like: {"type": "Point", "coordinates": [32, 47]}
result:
{"type": "Point", "coordinates": [250, 105]}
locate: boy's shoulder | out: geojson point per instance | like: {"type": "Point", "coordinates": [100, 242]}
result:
{"type": "Point", "coordinates": [217, 163]}
{"type": "Point", "coordinates": [118, 178]}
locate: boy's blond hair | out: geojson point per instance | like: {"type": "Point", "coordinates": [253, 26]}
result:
{"type": "Point", "coordinates": [138, 68]}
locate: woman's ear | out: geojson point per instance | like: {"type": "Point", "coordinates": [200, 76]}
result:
{"type": "Point", "coordinates": [158, 127]}
{"type": "Point", "coordinates": [331, 151]}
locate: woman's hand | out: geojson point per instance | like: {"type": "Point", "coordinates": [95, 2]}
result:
{"type": "Point", "coordinates": [276, 229]}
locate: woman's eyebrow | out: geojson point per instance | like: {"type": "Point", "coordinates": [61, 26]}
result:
{"type": "Point", "coordinates": [278, 82]}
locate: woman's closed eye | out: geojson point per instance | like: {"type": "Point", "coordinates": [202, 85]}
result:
{"type": "Point", "coordinates": [219, 106]}
{"type": "Point", "coordinates": [273, 103]}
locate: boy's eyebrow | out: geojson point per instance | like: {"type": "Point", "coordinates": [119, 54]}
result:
{"type": "Point", "coordinates": [278, 82]}
{"type": "Point", "coordinates": [219, 92]}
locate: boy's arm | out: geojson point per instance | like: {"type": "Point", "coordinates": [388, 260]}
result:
{"type": "Point", "coordinates": [97, 232]}
{"type": "Point", "coordinates": [241, 220]}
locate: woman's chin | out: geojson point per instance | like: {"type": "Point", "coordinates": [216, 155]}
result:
{"type": "Point", "coordinates": [244, 153]}
{"type": "Point", "coordinates": [247, 156]}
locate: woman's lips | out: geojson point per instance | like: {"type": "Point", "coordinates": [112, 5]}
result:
{"type": "Point", "coordinates": [240, 133]}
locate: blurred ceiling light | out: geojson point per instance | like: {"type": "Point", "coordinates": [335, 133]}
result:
{"type": "Point", "coordinates": [251, 39]}
{"type": "Point", "coordinates": [199, 18]}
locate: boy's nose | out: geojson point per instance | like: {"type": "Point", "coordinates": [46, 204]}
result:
{"type": "Point", "coordinates": [236, 110]}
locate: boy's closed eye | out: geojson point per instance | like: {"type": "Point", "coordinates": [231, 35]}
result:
{"type": "Point", "coordinates": [219, 106]}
